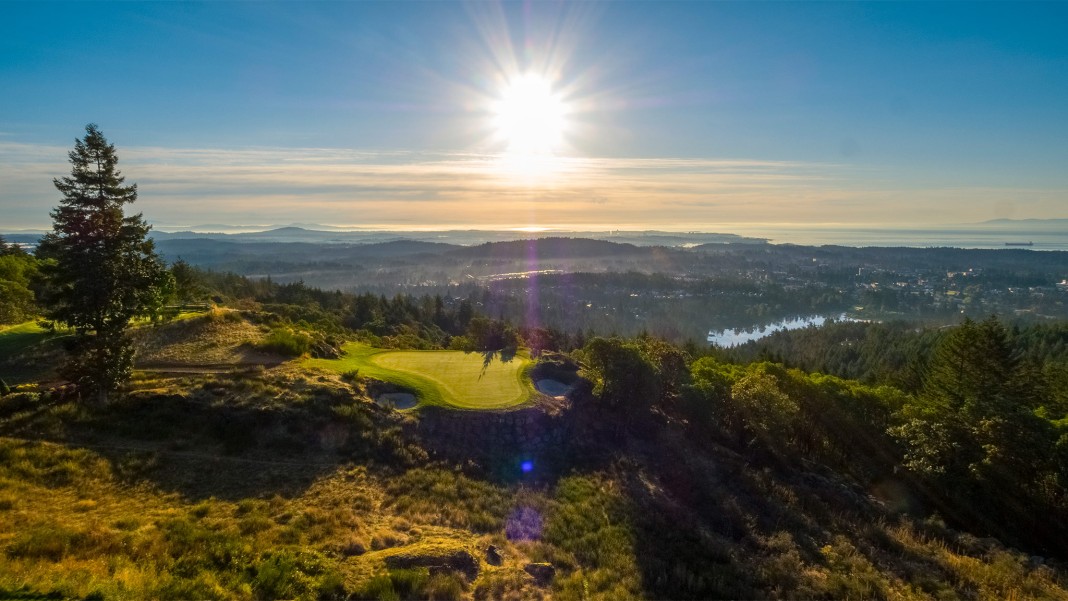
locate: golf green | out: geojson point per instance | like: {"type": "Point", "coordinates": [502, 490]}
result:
{"type": "Point", "coordinates": [453, 378]}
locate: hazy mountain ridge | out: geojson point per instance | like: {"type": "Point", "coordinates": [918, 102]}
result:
{"type": "Point", "coordinates": [1027, 222]}
{"type": "Point", "coordinates": [460, 237]}
{"type": "Point", "coordinates": [549, 248]}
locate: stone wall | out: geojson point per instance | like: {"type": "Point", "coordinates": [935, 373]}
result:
{"type": "Point", "coordinates": [460, 434]}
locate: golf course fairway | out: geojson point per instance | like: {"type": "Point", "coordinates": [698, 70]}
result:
{"type": "Point", "coordinates": [448, 378]}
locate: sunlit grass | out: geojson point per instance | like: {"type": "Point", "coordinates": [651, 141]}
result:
{"type": "Point", "coordinates": [72, 525]}
{"type": "Point", "coordinates": [17, 338]}
{"type": "Point", "coordinates": [449, 378]}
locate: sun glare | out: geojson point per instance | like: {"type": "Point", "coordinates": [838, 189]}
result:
{"type": "Point", "coordinates": [529, 116]}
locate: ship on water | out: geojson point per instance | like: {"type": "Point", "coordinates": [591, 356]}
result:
{"type": "Point", "coordinates": [1019, 244]}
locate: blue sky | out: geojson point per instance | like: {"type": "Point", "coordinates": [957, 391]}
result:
{"type": "Point", "coordinates": [681, 115]}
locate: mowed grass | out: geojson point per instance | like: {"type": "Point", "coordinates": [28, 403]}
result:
{"type": "Point", "coordinates": [449, 378]}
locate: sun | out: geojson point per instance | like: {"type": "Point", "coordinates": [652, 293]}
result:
{"type": "Point", "coordinates": [529, 117]}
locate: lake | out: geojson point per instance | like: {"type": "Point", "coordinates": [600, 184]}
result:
{"type": "Point", "coordinates": [728, 338]}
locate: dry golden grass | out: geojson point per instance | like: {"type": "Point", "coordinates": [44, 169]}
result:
{"type": "Point", "coordinates": [991, 574]}
{"type": "Point", "coordinates": [70, 524]}
{"type": "Point", "coordinates": [220, 337]}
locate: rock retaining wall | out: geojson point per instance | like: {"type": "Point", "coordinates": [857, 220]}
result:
{"type": "Point", "coordinates": [472, 433]}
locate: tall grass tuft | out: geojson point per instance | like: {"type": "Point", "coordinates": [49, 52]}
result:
{"type": "Point", "coordinates": [287, 342]}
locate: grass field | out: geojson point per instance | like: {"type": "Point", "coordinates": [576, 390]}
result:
{"type": "Point", "coordinates": [451, 378]}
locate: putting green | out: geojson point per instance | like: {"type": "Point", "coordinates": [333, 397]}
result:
{"type": "Point", "coordinates": [452, 378]}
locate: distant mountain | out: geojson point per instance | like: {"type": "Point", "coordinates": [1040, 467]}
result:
{"type": "Point", "coordinates": [549, 248]}
{"type": "Point", "coordinates": [24, 238]}
{"type": "Point", "coordinates": [283, 234]}
{"type": "Point", "coordinates": [1041, 223]}
{"type": "Point", "coordinates": [224, 228]}
{"type": "Point", "coordinates": [402, 248]}
{"type": "Point", "coordinates": [294, 233]}
{"type": "Point", "coordinates": [250, 256]}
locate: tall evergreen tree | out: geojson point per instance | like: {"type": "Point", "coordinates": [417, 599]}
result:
{"type": "Point", "coordinates": [187, 284]}
{"type": "Point", "coordinates": [973, 371]}
{"type": "Point", "coordinates": [104, 269]}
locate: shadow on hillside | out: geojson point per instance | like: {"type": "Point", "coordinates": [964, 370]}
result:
{"type": "Point", "coordinates": [711, 523]}
{"type": "Point", "coordinates": [210, 444]}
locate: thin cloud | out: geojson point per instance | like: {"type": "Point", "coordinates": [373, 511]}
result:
{"type": "Point", "coordinates": [257, 185]}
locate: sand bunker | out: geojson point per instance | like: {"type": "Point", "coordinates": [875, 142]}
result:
{"type": "Point", "coordinates": [552, 388]}
{"type": "Point", "coordinates": [397, 400]}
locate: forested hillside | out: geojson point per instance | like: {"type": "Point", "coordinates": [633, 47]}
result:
{"type": "Point", "coordinates": [672, 473]}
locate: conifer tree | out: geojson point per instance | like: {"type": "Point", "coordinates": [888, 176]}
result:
{"type": "Point", "coordinates": [104, 269]}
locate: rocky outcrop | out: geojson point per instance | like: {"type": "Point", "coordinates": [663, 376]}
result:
{"type": "Point", "coordinates": [543, 573]}
{"type": "Point", "coordinates": [445, 560]}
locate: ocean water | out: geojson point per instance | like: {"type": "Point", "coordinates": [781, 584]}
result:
{"type": "Point", "coordinates": [990, 237]}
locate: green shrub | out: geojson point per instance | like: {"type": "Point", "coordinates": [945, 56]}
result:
{"type": "Point", "coordinates": [42, 542]}
{"type": "Point", "coordinates": [500, 584]}
{"type": "Point", "coordinates": [201, 510]}
{"type": "Point", "coordinates": [53, 543]}
{"type": "Point", "coordinates": [279, 577]}
{"type": "Point", "coordinates": [591, 520]}
{"type": "Point", "coordinates": [197, 546]}
{"type": "Point", "coordinates": [253, 524]}
{"type": "Point", "coordinates": [332, 586]}
{"type": "Point", "coordinates": [443, 587]}
{"type": "Point", "coordinates": [13, 403]}
{"type": "Point", "coordinates": [183, 588]}
{"type": "Point", "coordinates": [284, 341]}
{"type": "Point", "coordinates": [379, 588]}
{"type": "Point", "coordinates": [404, 584]}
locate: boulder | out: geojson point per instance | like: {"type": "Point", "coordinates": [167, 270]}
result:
{"type": "Point", "coordinates": [438, 560]}
{"type": "Point", "coordinates": [543, 573]}
{"type": "Point", "coordinates": [493, 556]}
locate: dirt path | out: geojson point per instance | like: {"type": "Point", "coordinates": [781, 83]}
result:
{"type": "Point", "coordinates": [211, 368]}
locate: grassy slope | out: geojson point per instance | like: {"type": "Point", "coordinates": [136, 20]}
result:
{"type": "Point", "coordinates": [20, 339]}
{"type": "Point", "coordinates": [226, 488]}
{"type": "Point", "coordinates": [216, 338]}
{"type": "Point", "coordinates": [17, 338]}
{"type": "Point", "coordinates": [27, 355]}
{"type": "Point", "coordinates": [161, 497]}
{"type": "Point", "coordinates": [134, 515]}
{"type": "Point", "coordinates": [451, 378]}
